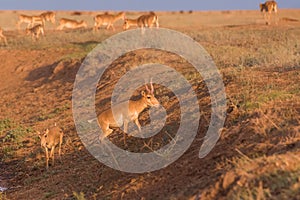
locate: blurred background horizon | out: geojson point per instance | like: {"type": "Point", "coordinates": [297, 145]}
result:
{"type": "Point", "coordinates": [139, 5]}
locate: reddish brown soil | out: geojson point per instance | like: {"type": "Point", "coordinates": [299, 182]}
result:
{"type": "Point", "coordinates": [36, 91]}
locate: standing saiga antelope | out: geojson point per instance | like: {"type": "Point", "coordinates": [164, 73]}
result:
{"type": "Point", "coordinates": [37, 19]}
{"type": "Point", "coordinates": [143, 21]}
{"type": "Point", "coordinates": [3, 36]}
{"type": "Point", "coordinates": [30, 20]}
{"type": "Point", "coordinates": [71, 24]}
{"type": "Point", "coordinates": [49, 140]}
{"type": "Point", "coordinates": [108, 20]}
{"type": "Point", "coordinates": [123, 114]}
{"type": "Point", "coordinates": [35, 31]}
{"type": "Point", "coordinates": [267, 8]}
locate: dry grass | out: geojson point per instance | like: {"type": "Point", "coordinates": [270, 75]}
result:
{"type": "Point", "coordinates": [273, 177]}
{"type": "Point", "coordinates": [256, 157]}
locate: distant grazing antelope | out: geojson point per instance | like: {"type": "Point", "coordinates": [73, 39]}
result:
{"type": "Point", "coordinates": [49, 140]}
{"type": "Point", "coordinates": [35, 31]}
{"type": "Point", "coordinates": [267, 8]}
{"type": "Point", "coordinates": [48, 16]}
{"type": "Point", "coordinates": [30, 20]}
{"type": "Point", "coordinates": [3, 36]}
{"type": "Point", "coordinates": [143, 21]}
{"type": "Point", "coordinates": [108, 20]}
{"type": "Point", "coordinates": [123, 115]}
{"type": "Point", "coordinates": [71, 24]}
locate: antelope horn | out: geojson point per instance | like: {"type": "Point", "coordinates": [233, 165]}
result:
{"type": "Point", "coordinates": [147, 87]}
{"type": "Point", "coordinates": [152, 88]}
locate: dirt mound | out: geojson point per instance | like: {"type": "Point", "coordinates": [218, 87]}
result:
{"type": "Point", "coordinates": [65, 69]}
{"type": "Point", "coordinates": [259, 178]}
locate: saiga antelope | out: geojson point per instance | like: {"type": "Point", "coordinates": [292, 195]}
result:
{"type": "Point", "coordinates": [123, 114]}
{"type": "Point", "coordinates": [143, 21]}
{"type": "Point", "coordinates": [35, 31]}
{"type": "Point", "coordinates": [108, 20]}
{"type": "Point", "coordinates": [2, 36]}
{"type": "Point", "coordinates": [71, 24]}
{"type": "Point", "coordinates": [267, 8]}
{"type": "Point", "coordinates": [49, 140]}
{"type": "Point", "coordinates": [30, 20]}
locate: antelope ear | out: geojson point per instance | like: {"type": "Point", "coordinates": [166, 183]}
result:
{"type": "Point", "coordinates": [46, 132]}
{"type": "Point", "coordinates": [143, 93]}
{"type": "Point", "coordinates": [39, 134]}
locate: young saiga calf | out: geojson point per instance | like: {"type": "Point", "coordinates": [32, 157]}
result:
{"type": "Point", "coordinates": [35, 31]}
{"type": "Point", "coordinates": [49, 140]}
{"type": "Point", "coordinates": [123, 114]}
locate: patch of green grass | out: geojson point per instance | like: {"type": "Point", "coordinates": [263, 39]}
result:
{"type": "Point", "coordinates": [55, 112]}
{"type": "Point", "coordinates": [12, 132]}
{"type": "Point", "coordinates": [250, 105]}
{"type": "Point", "coordinates": [87, 46]}
{"type": "Point", "coordinates": [5, 124]}
{"type": "Point", "coordinates": [49, 194]}
{"type": "Point", "coordinates": [31, 180]}
{"type": "Point", "coordinates": [273, 95]}
{"type": "Point", "coordinates": [294, 91]}
{"type": "Point", "coordinates": [8, 151]}
{"type": "Point", "coordinates": [74, 55]}
{"type": "Point", "coordinates": [61, 109]}
{"type": "Point", "coordinates": [82, 41]}
{"type": "Point", "coordinates": [80, 51]}
{"type": "Point", "coordinates": [16, 134]}
{"type": "Point", "coordinates": [12, 136]}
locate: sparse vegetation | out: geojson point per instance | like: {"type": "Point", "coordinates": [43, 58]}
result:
{"type": "Point", "coordinates": [11, 132]}
{"type": "Point", "coordinates": [257, 156]}
{"type": "Point", "coordinates": [11, 136]}
{"type": "Point", "coordinates": [274, 177]}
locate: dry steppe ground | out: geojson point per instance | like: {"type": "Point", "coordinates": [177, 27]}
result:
{"type": "Point", "coordinates": [256, 157]}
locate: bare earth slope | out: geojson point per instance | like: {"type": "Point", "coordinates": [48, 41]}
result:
{"type": "Point", "coordinates": [257, 156]}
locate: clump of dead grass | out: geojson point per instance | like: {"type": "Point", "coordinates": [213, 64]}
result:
{"type": "Point", "coordinates": [274, 177]}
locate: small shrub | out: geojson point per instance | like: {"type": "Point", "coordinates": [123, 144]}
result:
{"type": "Point", "coordinates": [5, 124]}
{"type": "Point", "coordinates": [76, 13]}
{"type": "Point", "coordinates": [250, 62]}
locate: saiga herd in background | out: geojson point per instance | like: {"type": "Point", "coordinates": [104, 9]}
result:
{"type": "Point", "coordinates": [36, 24]}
